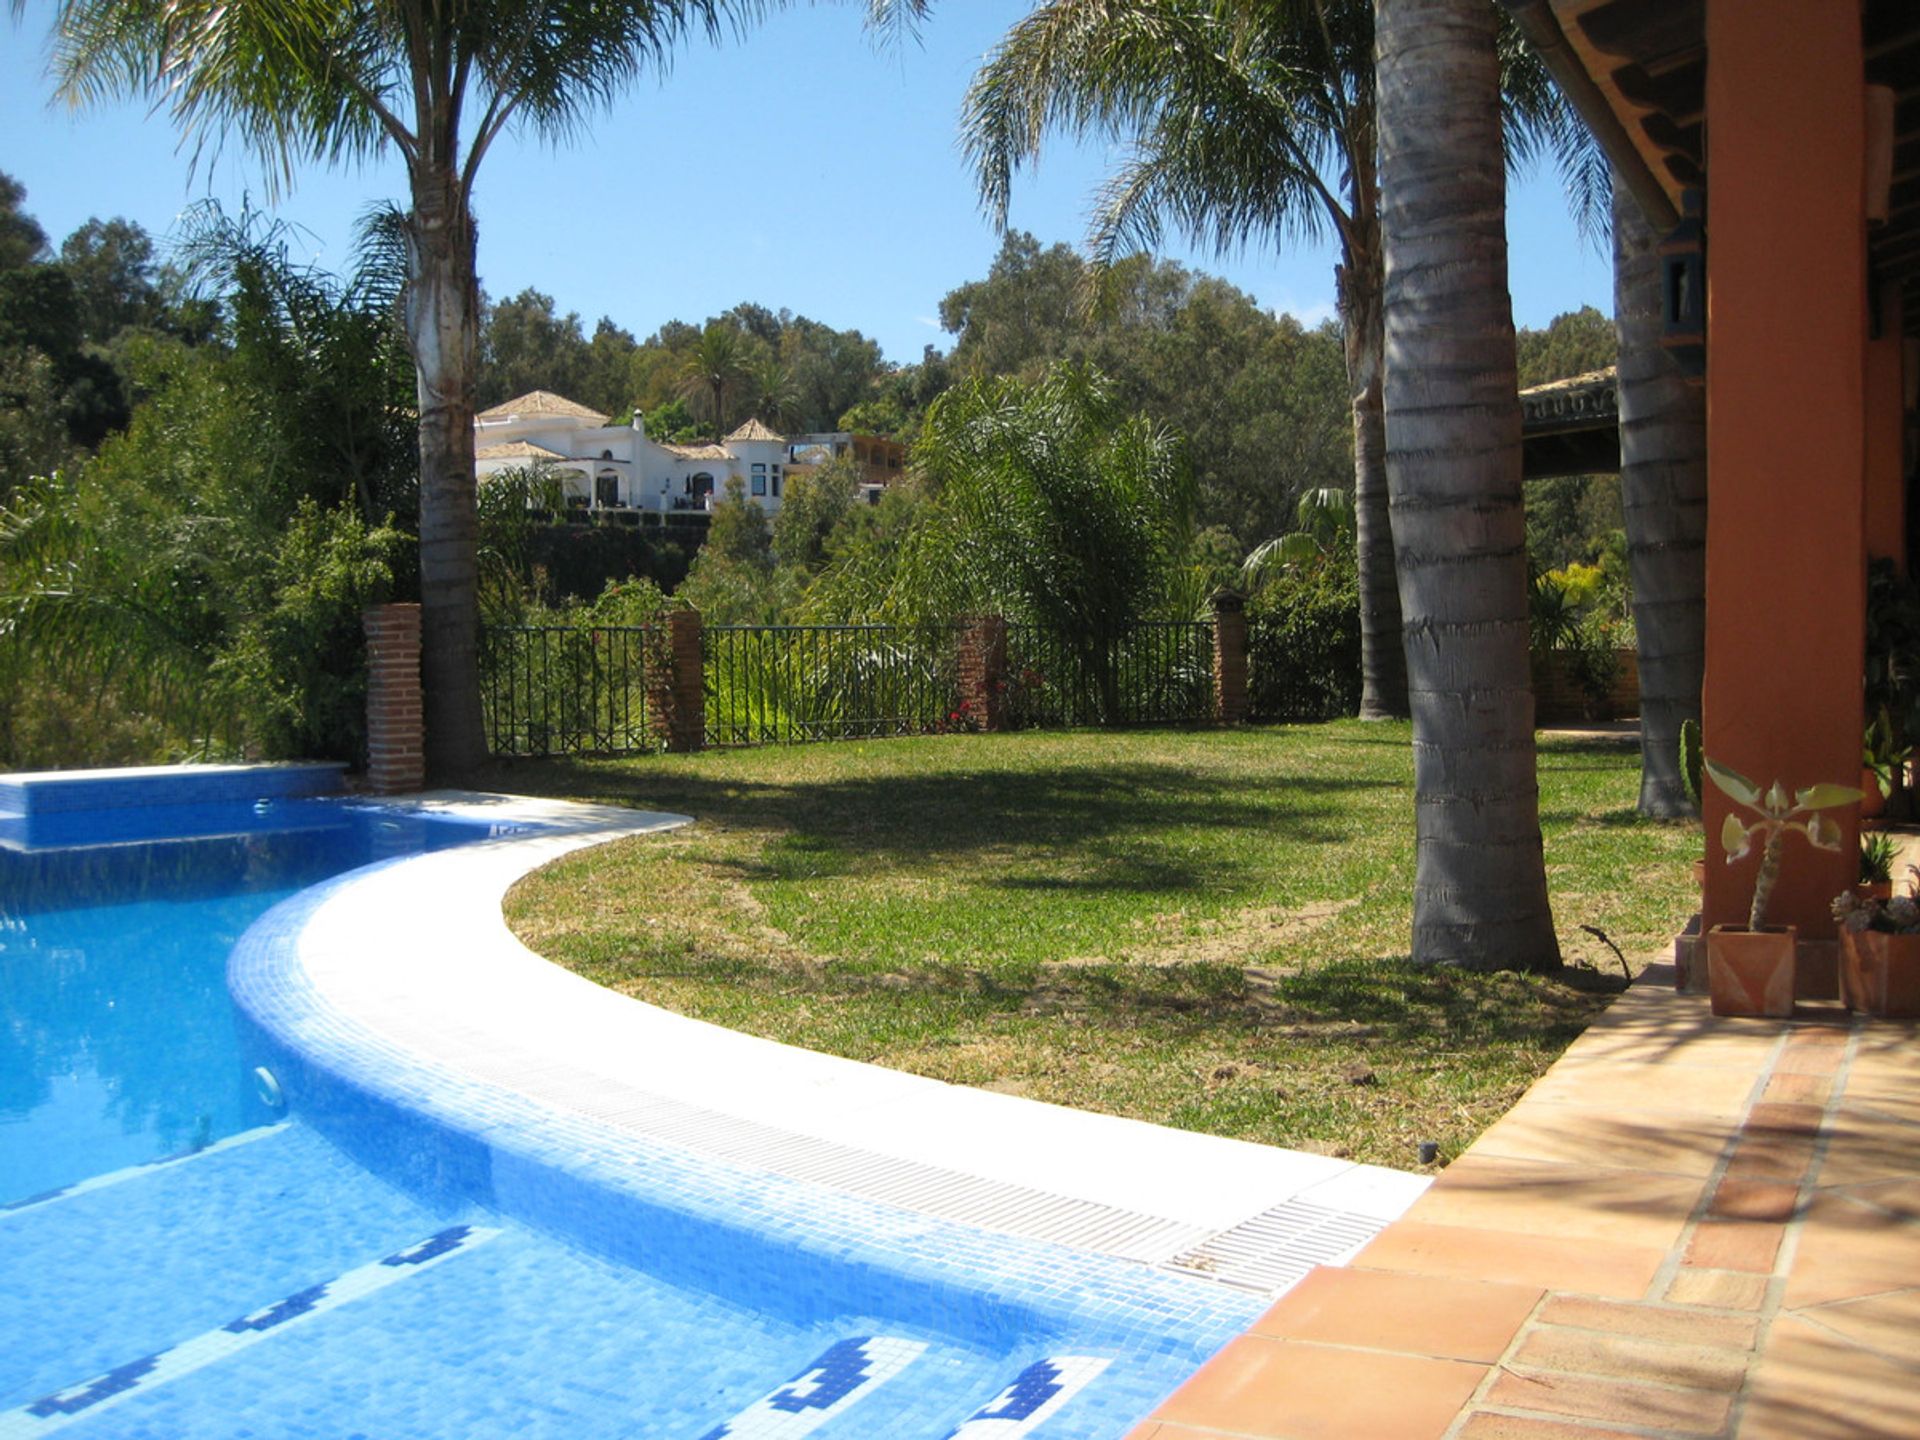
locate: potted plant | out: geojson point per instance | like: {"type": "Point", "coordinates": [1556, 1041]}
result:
{"type": "Point", "coordinates": [1879, 954]}
{"type": "Point", "coordinates": [1750, 968]}
{"type": "Point", "coordinates": [1878, 851]}
{"type": "Point", "coordinates": [1883, 761]}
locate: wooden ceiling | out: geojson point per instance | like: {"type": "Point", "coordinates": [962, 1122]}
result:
{"type": "Point", "coordinates": [1649, 60]}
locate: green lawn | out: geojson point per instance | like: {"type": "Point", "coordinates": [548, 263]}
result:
{"type": "Point", "coordinates": [1204, 929]}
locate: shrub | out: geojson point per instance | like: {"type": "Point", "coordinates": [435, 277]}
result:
{"type": "Point", "coordinates": [1303, 641]}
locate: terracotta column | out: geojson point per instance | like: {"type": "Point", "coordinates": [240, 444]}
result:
{"type": "Point", "coordinates": [396, 733]}
{"type": "Point", "coordinates": [1786, 445]}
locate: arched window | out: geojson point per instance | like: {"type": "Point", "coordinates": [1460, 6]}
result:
{"type": "Point", "coordinates": [606, 488]}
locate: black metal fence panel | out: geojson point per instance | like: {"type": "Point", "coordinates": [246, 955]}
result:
{"type": "Point", "coordinates": [565, 690]}
{"type": "Point", "coordinates": [1159, 672]}
{"type": "Point", "coordinates": [781, 684]}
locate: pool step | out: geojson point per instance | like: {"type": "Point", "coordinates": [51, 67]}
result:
{"type": "Point", "coordinates": [1036, 1395]}
{"type": "Point", "coordinates": [140, 1376]}
{"type": "Point", "coordinates": [104, 1271]}
{"type": "Point", "coordinates": [133, 1172]}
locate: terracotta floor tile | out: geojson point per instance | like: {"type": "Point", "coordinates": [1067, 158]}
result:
{"type": "Point", "coordinates": [1290, 1391]}
{"type": "Point", "coordinates": [1595, 1268]}
{"type": "Point", "coordinates": [1718, 1289]}
{"type": "Point", "coordinates": [1847, 1251]}
{"type": "Point", "coordinates": [1649, 1322]}
{"type": "Point", "coordinates": [1742, 1199]}
{"type": "Point", "coordinates": [1707, 1045]}
{"type": "Point", "coordinates": [1484, 1425]}
{"type": "Point", "coordinates": [1896, 1197]}
{"type": "Point", "coordinates": [1809, 1060]}
{"type": "Point", "coordinates": [1415, 1314]}
{"type": "Point", "coordinates": [1622, 1402]}
{"type": "Point", "coordinates": [1635, 1087]}
{"type": "Point", "coordinates": [1864, 1146]}
{"type": "Point", "coordinates": [1773, 1154]}
{"type": "Point", "coordinates": [1887, 1323]}
{"type": "Point", "coordinates": [1591, 1352]}
{"type": "Point", "coordinates": [1898, 1097]}
{"type": "Point", "coordinates": [1578, 1202]}
{"type": "Point", "coordinates": [1735, 1245]}
{"type": "Point", "coordinates": [1798, 1090]}
{"type": "Point", "coordinates": [1570, 1135]}
{"type": "Point", "coordinates": [1810, 1385]}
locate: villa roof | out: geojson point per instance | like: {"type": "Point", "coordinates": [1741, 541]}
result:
{"type": "Point", "coordinates": [698, 452]}
{"type": "Point", "coordinates": [754, 430]}
{"type": "Point", "coordinates": [516, 450]}
{"type": "Point", "coordinates": [537, 403]}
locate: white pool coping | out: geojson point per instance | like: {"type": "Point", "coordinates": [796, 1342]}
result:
{"type": "Point", "coordinates": [415, 957]}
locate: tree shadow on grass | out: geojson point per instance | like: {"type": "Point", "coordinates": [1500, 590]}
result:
{"type": "Point", "coordinates": [924, 817]}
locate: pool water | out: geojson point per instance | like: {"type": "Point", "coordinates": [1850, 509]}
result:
{"type": "Point", "coordinates": [180, 1257]}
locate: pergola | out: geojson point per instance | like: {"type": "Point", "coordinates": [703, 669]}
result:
{"type": "Point", "coordinates": [1777, 142]}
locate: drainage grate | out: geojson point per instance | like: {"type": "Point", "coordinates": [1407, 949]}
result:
{"type": "Point", "coordinates": [1274, 1249]}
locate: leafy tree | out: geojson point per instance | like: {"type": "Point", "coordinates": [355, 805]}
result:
{"type": "Point", "coordinates": [115, 278]}
{"type": "Point", "coordinates": [672, 423]}
{"type": "Point", "coordinates": [437, 85]}
{"type": "Point", "coordinates": [33, 431]}
{"type": "Point", "coordinates": [1453, 462]}
{"type": "Point", "coordinates": [1572, 344]}
{"type": "Point", "coordinates": [525, 345]}
{"type": "Point", "coordinates": [740, 534]}
{"type": "Point", "coordinates": [817, 502]}
{"type": "Point", "coordinates": [609, 359]}
{"type": "Point", "coordinates": [1246, 123]}
{"type": "Point", "coordinates": [22, 241]}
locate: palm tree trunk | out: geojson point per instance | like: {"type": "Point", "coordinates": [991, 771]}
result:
{"type": "Point", "coordinates": [1663, 492]}
{"type": "Point", "coordinates": [1453, 471]}
{"type": "Point", "coordinates": [442, 319]}
{"type": "Point", "coordinates": [1383, 665]}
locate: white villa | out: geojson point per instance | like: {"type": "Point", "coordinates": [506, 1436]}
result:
{"type": "Point", "coordinates": [616, 468]}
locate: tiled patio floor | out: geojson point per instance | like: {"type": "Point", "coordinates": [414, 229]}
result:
{"type": "Point", "coordinates": [1687, 1227]}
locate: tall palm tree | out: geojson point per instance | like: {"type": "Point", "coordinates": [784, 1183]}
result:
{"type": "Point", "coordinates": [713, 365]}
{"type": "Point", "coordinates": [1248, 122]}
{"type": "Point", "coordinates": [1663, 494]}
{"type": "Point", "coordinates": [776, 398]}
{"type": "Point", "coordinates": [1453, 469]}
{"type": "Point", "coordinates": [326, 81]}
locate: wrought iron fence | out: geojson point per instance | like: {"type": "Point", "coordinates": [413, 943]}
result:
{"type": "Point", "coordinates": [777, 684]}
{"type": "Point", "coordinates": [565, 690]}
{"type": "Point", "coordinates": [1160, 672]}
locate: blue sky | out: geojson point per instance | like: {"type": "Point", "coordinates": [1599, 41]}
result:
{"type": "Point", "coordinates": [801, 167]}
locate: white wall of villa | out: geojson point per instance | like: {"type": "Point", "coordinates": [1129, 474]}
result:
{"type": "Point", "coordinates": [617, 467]}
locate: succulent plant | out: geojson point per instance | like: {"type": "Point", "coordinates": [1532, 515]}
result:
{"type": "Point", "coordinates": [1779, 812]}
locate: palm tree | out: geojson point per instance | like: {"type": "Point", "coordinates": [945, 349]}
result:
{"type": "Point", "coordinates": [1663, 493]}
{"type": "Point", "coordinates": [1453, 469]}
{"type": "Point", "coordinates": [1248, 122]}
{"type": "Point", "coordinates": [775, 396]}
{"type": "Point", "coordinates": [713, 365]}
{"type": "Point", "coordinates": [322, 80]}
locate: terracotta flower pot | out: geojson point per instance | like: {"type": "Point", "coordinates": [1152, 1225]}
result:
{"type": "Point", "coordinates": [1751, 972]}
{"type": "Point", "coordinates": [1700, 874]}
{"type": "Point", "coordinates": [1880, 973]}
{"type": "Point", "coordinates": [1873, 800]}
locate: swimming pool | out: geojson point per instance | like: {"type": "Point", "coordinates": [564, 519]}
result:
{"type": "Point", "coordinates": [261, 1220]}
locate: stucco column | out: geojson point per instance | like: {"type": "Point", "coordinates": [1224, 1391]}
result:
{"type": "Point", "coordinates": [1786, 447]}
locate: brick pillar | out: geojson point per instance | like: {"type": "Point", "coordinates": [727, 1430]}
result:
{"type": "Point", "coordinates": [1229, 658]}
{"type": "Point", "coordinates": [982, 670]}
{"type": "Point", "coordinates": [396, 734]}
{"type": "Point", "coordinates": [676, 683]}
